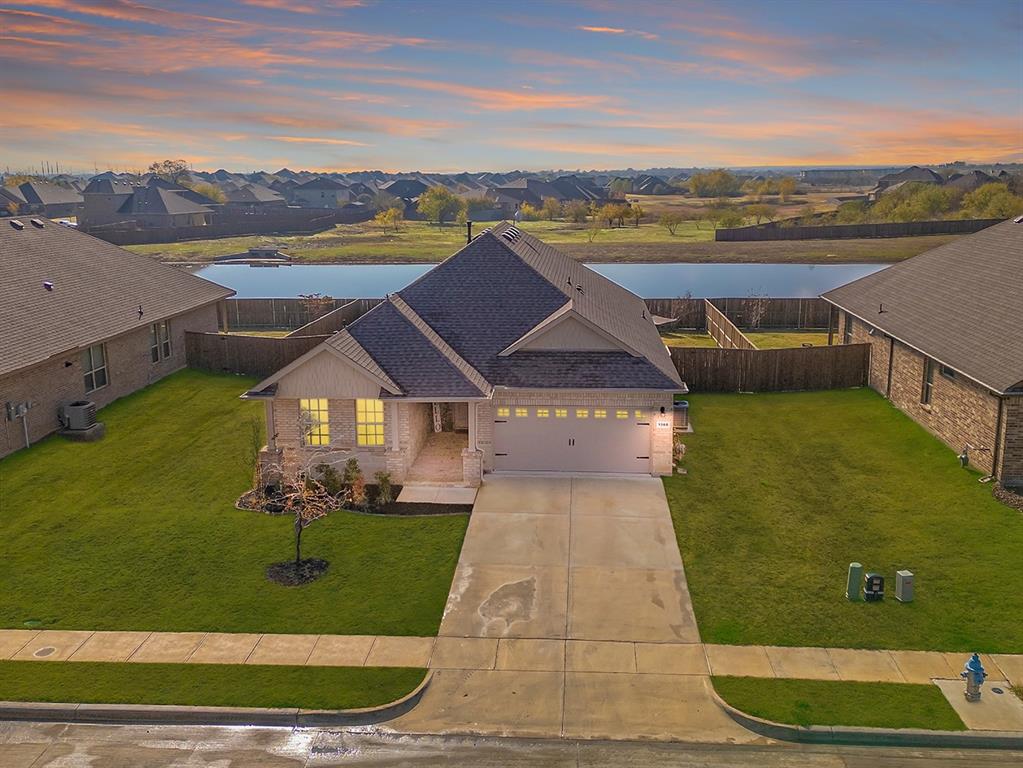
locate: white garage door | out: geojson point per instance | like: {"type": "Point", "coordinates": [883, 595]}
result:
{"type": "Point", "coordinates": [571, 438]}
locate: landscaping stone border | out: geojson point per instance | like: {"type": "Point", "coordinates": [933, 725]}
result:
{"type": "Point", "coordinates": [158, 714]}
{"type": "Point", "coordinates": [874, 737]}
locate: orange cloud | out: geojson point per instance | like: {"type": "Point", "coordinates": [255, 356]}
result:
{"type": "Point", "coordinates": [495, 99]}
{"type": "Point", "coordinates": [618, 31]}
{"type": "Point", "coordinates": [318, 140]}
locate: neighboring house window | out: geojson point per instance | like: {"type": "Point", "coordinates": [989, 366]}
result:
{"type": "Point", "coordinates": [847, 331]}
{"type": "Point", "coordinates": [561, 413]}
{"type": "Point", "coordinates": [620, 414]}
{"type": "Point", "coordinates": [521, 413]}
{"type": "Point", "coordinates": [947, 372]}
{"type": "Point", "coordinates": [369, 422]}
{"type": "Point", "coordinates": [503, 412]}
{"type": "Point", "coordinates": [315, 417]}
{"type": "Point", "coordinates": [582, 413]}
{"type": "Point", "coordinates": [94, 367]}
{"type": "Point", "coordinates": [159, 341]}
{"type": "Point", "coordinates": [543, 413]}
{"type": "Point", "coordinates": [928, 385]}
{"type": "Point", "coordinates": [600, 413]}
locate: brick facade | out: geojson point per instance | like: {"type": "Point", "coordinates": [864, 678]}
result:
{"type": "Point", "coordinates": [960, 413]}
{"type": "Point", "coordinates": [60, 380]}
{"type": "Point", "coordinates": [414, 421]}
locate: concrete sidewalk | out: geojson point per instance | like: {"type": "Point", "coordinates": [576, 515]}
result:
{"type": "Point", "coordinates": [509, 654]}
{"type": "Point", "coordinates": [216, 648]}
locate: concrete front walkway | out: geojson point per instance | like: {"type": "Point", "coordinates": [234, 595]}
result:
{"type": "Point", "coordinates": [569, 616]}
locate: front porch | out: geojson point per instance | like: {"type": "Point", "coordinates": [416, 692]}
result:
{"type": "Point", "coordinates": [440, 460]}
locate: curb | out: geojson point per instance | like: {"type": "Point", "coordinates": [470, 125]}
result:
{"type": "Point", "coordinates": [160, 714]}
{"type": "Point", "coordinates": [873, 737]}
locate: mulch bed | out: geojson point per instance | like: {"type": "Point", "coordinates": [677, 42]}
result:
{"type": "Point", "coordinates": [1009, 498]}
{"type": "Point", "coordinates": [249, 501]}
{"type": "Point", "coordinates": [420, 508]}
{"type": "Point", "coordinates": [289, 575]}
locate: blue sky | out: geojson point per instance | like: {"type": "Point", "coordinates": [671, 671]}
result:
{"type": "Point", "coordinates": [448, 86]}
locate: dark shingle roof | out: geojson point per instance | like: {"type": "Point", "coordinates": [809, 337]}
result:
{"type": "Point", "coordinates": [97, 290]}
{"type": "Point", "coordinates": [44, 193]}
{"type": "Point", "coordinates": [505, 283]}
{"type": "Point", "coordinates": [252, 193]}
{"type": "Point", "coordinates": [407, 357]}
{"type": "Point", "coordinates": [321, 182]}
{"type": "Point", "coordinates": [961, 304]}
{"type": "Point", "coordinates": [159, 200]}
{"type": "Point", "coordinates": [108, 185]}
{"type": "Point", "coordinates": [444, 334]}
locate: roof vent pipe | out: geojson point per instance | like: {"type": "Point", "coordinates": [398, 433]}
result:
{"type": "Point", "coordinates": [468, 232]}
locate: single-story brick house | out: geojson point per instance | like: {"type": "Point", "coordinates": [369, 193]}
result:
{"type": "Point", "coordinates": [81, 319]}
{"type": "Point", "coordinates": [945, 330]}
{"type": "Point", "coordinates": [508, 356]}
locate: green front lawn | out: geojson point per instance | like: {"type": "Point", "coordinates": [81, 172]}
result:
{"type": "Point", "coordinates": [139, 531]}
{"type": "Point", "coordinates": [783, 491]}
{"type": "Point", "coordinates": [823, 702]}
{"type": "Point", "coordinates": [205, 685]}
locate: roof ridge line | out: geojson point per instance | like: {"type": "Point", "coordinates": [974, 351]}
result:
{"type": "Point", "coordinates": [474, 376]}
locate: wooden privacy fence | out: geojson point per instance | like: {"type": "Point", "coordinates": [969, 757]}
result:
{"type": "Point", "coordinates": [781, 231]}
{"type": "Point", "coordinates": [775, 313]}
{"type": "Point", "coordinates": [278, 314]}
{"type": "Point", "coordinates": [336, 319]}
{"type": "Point", "coordinates": [249, 355]}
{"type": "Point", "coordinates": [723, 330]}
{"type": "Point", "coordinates": [705, 369]}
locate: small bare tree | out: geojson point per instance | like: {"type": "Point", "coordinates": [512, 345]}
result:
{"type": "Point", "coordinates": [316, 304]}
{"type": "Point", "coordinates": [754, 309]}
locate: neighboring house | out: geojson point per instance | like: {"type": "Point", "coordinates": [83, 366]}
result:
{"type": "Point", "coordinates": [155, 206]}
{"type": "Point", "coordinates": [946, 335]}
{"type": "Point", "coordinates": [508, 356]}
{"type": "Point", "coordinates": [104, 196]}
{"type": "Point", "coordinates": [967, 182]}
{"type": "Point", "coordinates": [253, 196]}
{"type": "Point", "coordinates": [50, 200]}
{"type": "Point", "coordinates": [320, 193]}
{"type": "Point", "coordinates": [11, 201]}
{"type": "Point", "coordinates": [406, 189]}
{"type": "Point", "coordinates": [85, 320]}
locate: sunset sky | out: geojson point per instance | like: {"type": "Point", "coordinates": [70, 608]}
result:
{"type": "Point", "coordinates": [449, 86]}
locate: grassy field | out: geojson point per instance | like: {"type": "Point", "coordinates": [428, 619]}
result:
{"type": "Point", "coordinates": [687, 339]}
{"type": "Point", "coordinates": [423, 242]}
{"type": "Point", "coordinates": [783, 491]}
{"type": "Point", "coordinates": [786, 339]}
{"type": "Point", "coordinates": [209, 685]}
{"type": "Point", "coordinates": [823, 702]}
{"type": "Point", "coordinates": [138, 531]}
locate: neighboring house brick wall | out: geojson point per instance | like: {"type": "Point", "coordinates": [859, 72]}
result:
{"type": "Point", "coordinates": [961, 412]}
{"type": "Point", "coordinates": [59, 380]}
{"type": "Point", "coordinates": [1011, 458]}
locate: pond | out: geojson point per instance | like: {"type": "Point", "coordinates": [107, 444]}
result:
{"type": "Point", "coordinates": [651, 281]}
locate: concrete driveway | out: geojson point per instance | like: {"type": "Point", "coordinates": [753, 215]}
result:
{"type": "Point", "coordinates": [569, 616]}
{"type": "Point", "coordinates": [579, 558]}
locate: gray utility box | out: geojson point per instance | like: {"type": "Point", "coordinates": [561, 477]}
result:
{"type": "Point", "coordinates": [852, 585]}
{"type": "Point", "coordinates": [904, 586]}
